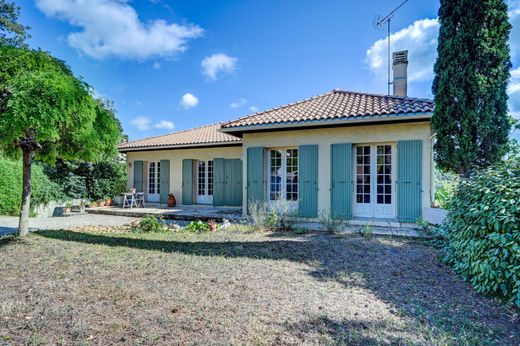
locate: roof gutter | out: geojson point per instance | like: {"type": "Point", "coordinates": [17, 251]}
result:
{"type": "Point", "coordinates": [321, 123]}
{"type": "Point", "coordinates": [184, 146]}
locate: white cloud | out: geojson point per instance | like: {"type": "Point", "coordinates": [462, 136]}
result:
{"type": "Point", "coordinates": [254, 109]}
{"type": "Point", "coordinates": [112, 28]}
{"type": "Point", "coordinates": [513, 91]}
{"type": "Point", "coordinates": [189, 100]}
{"type": "Point", "coordinates": [420, 39]}
{"type": "Point", "coordinates": [212, 65]}
{"type": "Point", "coordinates": [164, 125]}
{"type": "Point", "coordinates": [141, 123]}
{"type": "Point", "coordinates": [239, 103]}
{"type": "Point", "coordinates": [156, 66]}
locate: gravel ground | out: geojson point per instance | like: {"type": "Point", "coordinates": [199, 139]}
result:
{"type": "Point", "coordinates": [9, 224]}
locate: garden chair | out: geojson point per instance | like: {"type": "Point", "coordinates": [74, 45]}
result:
{"type": "Point", "coordinates": [139, 200]}
{"type": "Point", "coordinates": [129, 200]}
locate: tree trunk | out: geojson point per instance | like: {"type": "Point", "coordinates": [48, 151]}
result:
{"type": "Point", "coordinates": [23, 226]}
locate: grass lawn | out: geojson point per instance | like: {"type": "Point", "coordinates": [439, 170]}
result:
{"type": "Point", "coordinates": [63, 287]}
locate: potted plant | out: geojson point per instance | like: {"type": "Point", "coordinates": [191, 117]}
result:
{"type": "Point", "coordinates": [67, 207]}
{"type": "Point", "coordinates": [101, 203]}
{"type": "Point", "coordinates": [171, 200]}
{"type": "Point", "coordinates": [212, 226]}
{"type": "Point", "coordinates": [92, 204]}
{"type": "Point", "coordinates": [108, 201]}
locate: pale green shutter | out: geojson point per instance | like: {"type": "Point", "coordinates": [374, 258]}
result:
{"type": "Point", "coordinates": [219, 181]}
{"type": "Point", "coordinates": [308, 181]}
{"type": "Point", "coordinates": [187, 181]}
{"type": "Point", "coordinates": [341, 181]}
{"type": "Point", "coordinates": [164, 180]}
{"type": "Point", "coordinates": [409, 172]}
{"type": "Point", "coordinates": [255, 175]}
{"type": "Point", "coordinates": [233, 182]}
{"type": "Point", "coordinates": [138, 176]}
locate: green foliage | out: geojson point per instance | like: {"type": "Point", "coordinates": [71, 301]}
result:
{"type": "Point", "coordinates": [471, 77]}
{"type": "Point", "coordinates": [12, 33]}
{"type": "Point", "coordinates": [367, 231]}
{"type": "Point", "coordinates": [483, 230]}
{"type": "Point", "coordinates": [43, 190]}
{"type": "Point", "coordinates": [329, 223]}
{"type": "Point", "coordinates": [197, 226]}
{"type": "Point", "coordinates": [94, 181]}
{"type": "Point", "coordinates": [446, 184]}
{"type": "Point", "coordinates": [43, 100]}
{"type": "Point", "coordinates": [261, 217]}
{"type": "Point", "coordinates": [150, 224]}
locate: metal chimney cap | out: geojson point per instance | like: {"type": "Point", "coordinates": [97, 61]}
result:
{"type": "Point", "coordinates": [400, 57]}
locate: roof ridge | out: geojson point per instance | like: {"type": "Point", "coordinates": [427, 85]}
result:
{"type": "Point", "coordinates": [382, 95]}
{"type": "Point", "coordinates": [173, 133]}
{"type": "Point", "coordinates": [281, 107]}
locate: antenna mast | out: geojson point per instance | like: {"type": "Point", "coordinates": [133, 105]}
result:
{"type": "Point", "coordinates": [380, 22]}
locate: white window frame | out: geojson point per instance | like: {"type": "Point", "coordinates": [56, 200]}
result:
{"type": "Point", "coordinates": [283, 183]}
{"type": "Point", "coordinates": [154, 197]}
{"type": "Point", "coordinates": [205, 198]}
{"type": "Point", "coordinates": [375, 210]}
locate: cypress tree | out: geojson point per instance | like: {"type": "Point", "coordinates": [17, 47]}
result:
{"type": "Point", "coordinates": [471, 76]}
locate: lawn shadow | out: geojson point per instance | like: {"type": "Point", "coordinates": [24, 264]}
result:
{"type": "Point", "coordinates": [406, 274]}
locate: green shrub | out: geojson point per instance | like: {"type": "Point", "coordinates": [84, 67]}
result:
{"type": "Point", "coordinates": [94, 181]}
{"type": "Point", "coordinates": [483, 231]}
{"type": "Point", "coordinates": [261, 217]}
{"type": "Point", "coordinates": [445, 187]}
{"type": "Point", "coordinates": [43, 190]}
{"type": "Point", "coordinates": [150, 224]}
{"type": "Point", "coordinates": [329, 223]}
{"type": "Point", "coordinates": [197, 226]}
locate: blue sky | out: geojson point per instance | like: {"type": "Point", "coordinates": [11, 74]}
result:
{"type": "Point", "coordinates": [172, 65]}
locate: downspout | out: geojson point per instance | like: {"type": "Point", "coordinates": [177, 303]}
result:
{"type": "Point", "coordinates": [432, 173]}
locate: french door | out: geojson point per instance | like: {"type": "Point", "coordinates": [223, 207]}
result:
{"type": "Point", "coordinates": [154, 188]}
{"type": "Point", "coordinates": [204, 182]}
{"type": "Point", "coordinates": [374, 172]}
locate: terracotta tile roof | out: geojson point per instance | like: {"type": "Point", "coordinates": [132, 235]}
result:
{"type": "Point", "coordinates": [336, 105]}
{"type": "Point", "coordinates": [208, 134]}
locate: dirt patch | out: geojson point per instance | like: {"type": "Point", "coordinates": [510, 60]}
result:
{"type": "Point", "coordinates": [64, 287]}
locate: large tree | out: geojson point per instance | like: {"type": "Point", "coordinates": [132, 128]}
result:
{"type": "Point", "coordinates": [471, 76]}
{"type": "Point", "coordinates": [12, 33]}
{"type": "Point", "coordinates": [47, 113]}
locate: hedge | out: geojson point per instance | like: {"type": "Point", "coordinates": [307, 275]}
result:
{"type": "Point", "coordinates": [483, 231]}
{"type": "Point", "coordinates": [43, 190]}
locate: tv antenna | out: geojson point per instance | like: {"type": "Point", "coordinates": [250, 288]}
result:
{"type": "Point", "coordinates": [386, 20]}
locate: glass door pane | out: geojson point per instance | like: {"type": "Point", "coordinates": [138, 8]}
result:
{"type": "Point", "coordinates": [363, 178]}
{"type": "Point", "coordinates": [201, 178]}
{"type": "Point", "coordinates": [384, 174]}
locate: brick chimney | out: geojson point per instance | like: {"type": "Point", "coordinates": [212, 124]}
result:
{"type": "Point", "coordinates": [400, 71]}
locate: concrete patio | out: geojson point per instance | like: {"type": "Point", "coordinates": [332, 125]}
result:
{"type": "Point", "coordinates": [185, 213]}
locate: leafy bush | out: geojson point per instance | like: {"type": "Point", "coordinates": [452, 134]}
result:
{"type": "Point", "coordinates": [94, 181]}
{"type": "Point", "coordinates": [330, 224]}
{"type": "Point", "coordinates": [261, 217]}
{"type": "Point", "coordinates": [286, 214]}
{"type": "Point", "coordinates": [197, 226]}
{"type": "Point", "coordinates": [43, 190]}
{"type": "Point", "coordinates": [150, 224]}
{"type": "Point", "coordinates": [445, 187]}
{"type": "Point", "coordinates": [483, 230]}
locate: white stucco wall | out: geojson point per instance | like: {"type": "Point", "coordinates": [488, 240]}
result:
{"type": "Point", "coordinates": [176, 157]}
{"type": "Point", "coordinates": [372, 134]}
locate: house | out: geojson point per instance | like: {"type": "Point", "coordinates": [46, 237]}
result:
{"type": "Point", "coordinates": [358, 155]}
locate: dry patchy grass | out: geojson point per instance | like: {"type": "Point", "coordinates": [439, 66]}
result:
{"type": "Point", "coordinates": [64, 287]}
